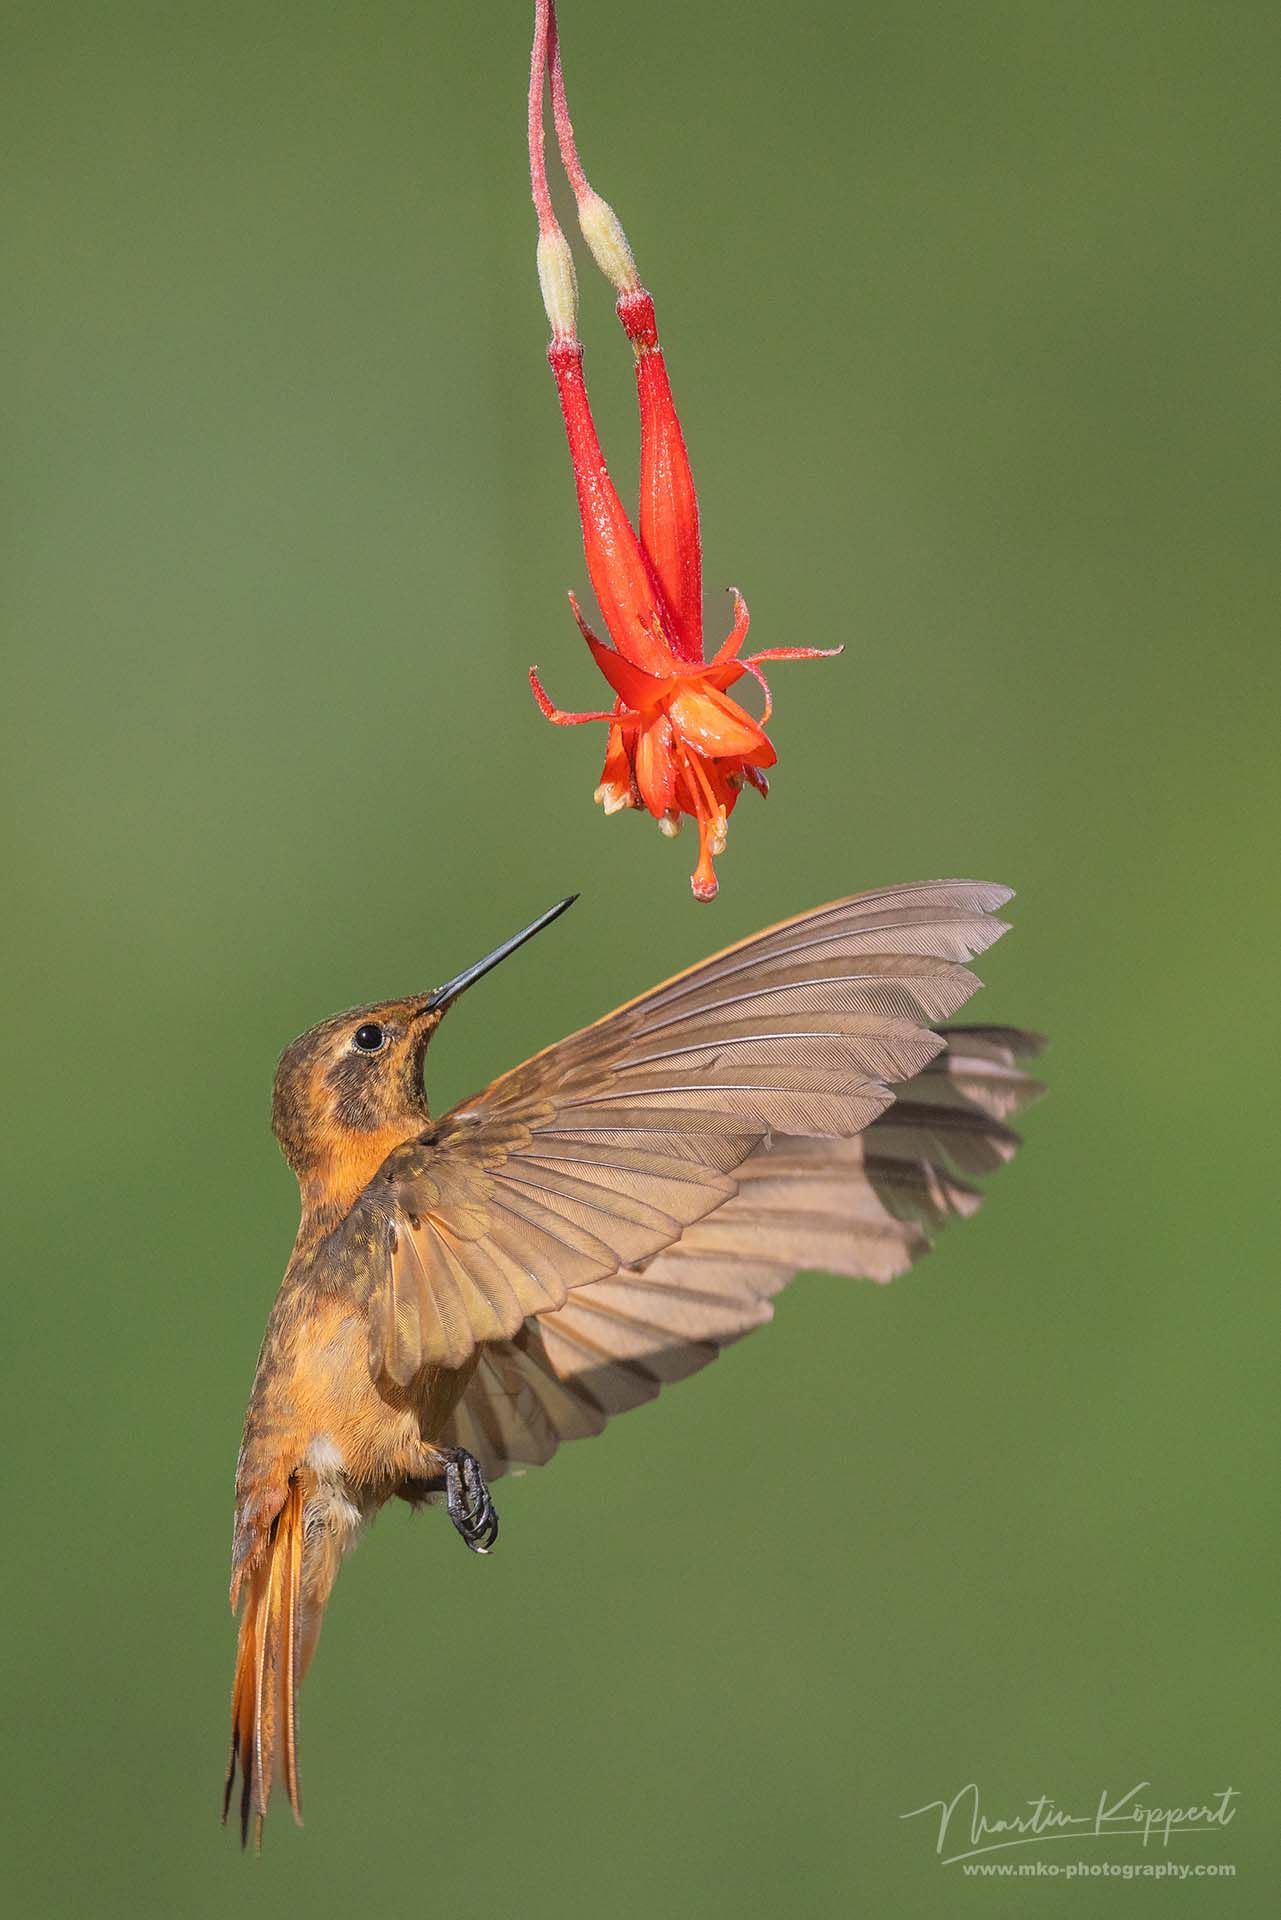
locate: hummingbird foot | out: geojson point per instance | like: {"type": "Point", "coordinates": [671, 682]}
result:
{"type": "Point", "coordinates": [467, 1500]}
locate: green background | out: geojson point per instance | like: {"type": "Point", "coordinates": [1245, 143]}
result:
{"type": "Point", "coordinates": [970, 314]}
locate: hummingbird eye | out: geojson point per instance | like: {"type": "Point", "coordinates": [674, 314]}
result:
{"type": "Point", "coordinates": [370, 1038]}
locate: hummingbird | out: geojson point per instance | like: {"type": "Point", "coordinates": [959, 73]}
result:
{"type": "Point", "coordinates": [465, 1292]}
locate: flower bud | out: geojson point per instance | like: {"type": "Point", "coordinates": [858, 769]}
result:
{"type": "Point", "coordinates": [559, 283]}
{"type": "Point", "coordinates": [603, 232]}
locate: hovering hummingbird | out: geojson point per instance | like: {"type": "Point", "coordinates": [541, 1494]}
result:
{"type": "Point", "coordinates": [467, 1292]}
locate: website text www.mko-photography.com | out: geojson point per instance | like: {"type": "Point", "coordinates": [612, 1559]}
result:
{"type": "Point", "coordinates": [965, 1832]}
{"type": "Point", "coordinates": [1098, 1869]}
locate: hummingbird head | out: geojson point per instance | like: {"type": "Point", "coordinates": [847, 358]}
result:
{"type": "Point", "coordinates": [351, 1090]}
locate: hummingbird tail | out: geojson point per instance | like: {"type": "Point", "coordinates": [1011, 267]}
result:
{"type": "Point", "coordinates": [270, 1659]}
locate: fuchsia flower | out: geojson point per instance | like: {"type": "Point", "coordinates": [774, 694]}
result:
{"type": "Point", "coordinates": [677, 743]}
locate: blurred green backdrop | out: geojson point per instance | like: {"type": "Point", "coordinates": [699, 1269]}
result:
{"type": "Point", "coordinates": [970, 312]}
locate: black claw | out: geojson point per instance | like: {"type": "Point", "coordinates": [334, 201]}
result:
{"type": "Point", "coordinates": [467, 1500]}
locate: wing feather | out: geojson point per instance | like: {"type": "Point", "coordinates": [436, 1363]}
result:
{"type": "Point", "coordinates": [866, 1207]}
{"type": "Point", "coordinates": [607, 1148]}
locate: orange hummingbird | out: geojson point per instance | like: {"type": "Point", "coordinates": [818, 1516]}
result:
{"type": "Point", "coordinates": [466, 1292]}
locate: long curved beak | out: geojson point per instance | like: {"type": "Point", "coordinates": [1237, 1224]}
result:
{"type": "Point", "coordinates": [445, 996]}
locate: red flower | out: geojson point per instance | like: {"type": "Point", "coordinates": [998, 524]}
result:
{"type": "Point", "coordinates": [677, 743]}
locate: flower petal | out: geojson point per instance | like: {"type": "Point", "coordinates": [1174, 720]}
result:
{"type": "Point", "coordinates": [668, 501]}
{"type": "Point", "coordinates": [622, 578]}
{"type": "Point", "coordinates": [798, 653]}
{"type": "Point", "coordinates": [617, 787]}
{"type": "Point", "coordinates": [557, 715]}
{"type": "Point", "coordinates": [738, 632]}
{"type": "Point", "coordinates": [656, 767]}
{"type": "Point", "coordinates": [715, 724]}
{"type": "Point", "coordinates": [638, 690]}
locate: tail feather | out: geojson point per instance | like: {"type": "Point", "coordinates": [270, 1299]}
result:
{"type": "Point", "coordinates": [290, 1674]}
{"type": "Point", "coordinates": [264, 1695]}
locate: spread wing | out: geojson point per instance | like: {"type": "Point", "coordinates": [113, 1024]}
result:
{"type": "Point", "coordinates": [867, 1207]}
{"type": "Point", "coordinates": [608, 1147]}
